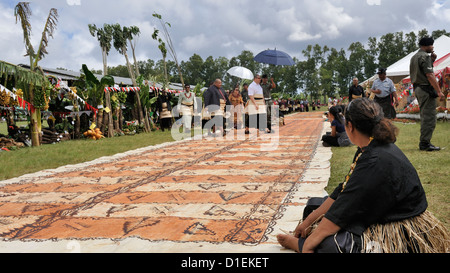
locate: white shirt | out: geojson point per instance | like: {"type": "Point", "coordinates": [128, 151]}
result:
{"type": "Point", "coordinates": [255, 89]}
{"type": "Point", "coordinates": [387, 87]}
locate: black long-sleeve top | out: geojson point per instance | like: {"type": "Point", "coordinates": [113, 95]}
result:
{"type": "Point", "coordinates": [355, 90]}
{"type": "Point", "coordinates": [383, 188]}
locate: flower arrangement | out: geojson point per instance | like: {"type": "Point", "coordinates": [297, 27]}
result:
{"type": "Point", "coordinates": [411, 110]}
{"type": "Point", "coordinates": [416, 110]}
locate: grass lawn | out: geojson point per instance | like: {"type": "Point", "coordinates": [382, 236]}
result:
{"type": "Point", "coordinates": [433, 168]}
{"type": "Point", "coordinates": [30, 160]}
{"type": "Point", "coordinates": [4, 129]}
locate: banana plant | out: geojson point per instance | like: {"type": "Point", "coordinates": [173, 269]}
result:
{"type": "Point", "coordinates": [96, 90]}
{"type": "Point", "coordinates": [22, 13]}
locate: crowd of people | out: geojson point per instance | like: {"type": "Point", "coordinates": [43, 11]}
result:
{"type": "Point", "coordinates": [248, 109]}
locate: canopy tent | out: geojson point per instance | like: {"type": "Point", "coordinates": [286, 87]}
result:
{"type": "Point", "coordinates": [400, 70]}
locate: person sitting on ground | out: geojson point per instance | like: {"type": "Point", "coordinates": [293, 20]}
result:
{"type": "Point", "coordinates": [381, 204]}
{"type": "Point", "coordinates": [338, 137]}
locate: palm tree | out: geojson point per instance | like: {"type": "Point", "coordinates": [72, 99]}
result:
{"type": "Point", "coordinates": [22, 13]}
{"type": "Point", "coordinates": [131, 33]}
{"type": "Point", "coordinates": [104, 36]}
{"type": "Point", "coordinates": [163, 49]}
{"type": "Point", "coordinates": [168, 42]}
{"type": "Point", "coordinates": [121, 37]}
{"type": "Point", "coordinates": [96, 94]}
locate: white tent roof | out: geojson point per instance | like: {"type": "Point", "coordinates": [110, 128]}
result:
{"type": "Point", "coordinates": [401, 68]}
{"type": "Point", "coordinates": [440, 66]}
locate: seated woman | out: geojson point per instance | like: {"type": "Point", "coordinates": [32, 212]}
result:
{"type": "Point", "coordinates": [338, 136]}
{"type": "Point", "coordinates": [381, 206]}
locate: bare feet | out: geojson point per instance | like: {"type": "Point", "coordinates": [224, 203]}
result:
{"type": "Point", "coordinates": [288, 241]}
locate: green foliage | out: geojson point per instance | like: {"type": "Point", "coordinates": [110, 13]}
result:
{"type": "Point", "coordinates": [144, 94]}
{"type": "Point", "coordinates": [95, 89]}
{"type": "Point", "coordinates": [21, 75]}
{"type": "Point", "coordinates": [103, 35]}
{"type": "Point", "coordinates": [65, 126]}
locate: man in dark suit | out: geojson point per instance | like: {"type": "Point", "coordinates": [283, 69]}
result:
{"type": "Point", "coordinates": [215, 102]}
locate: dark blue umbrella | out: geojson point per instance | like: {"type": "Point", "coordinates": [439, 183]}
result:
{"type": "Point", "coordinates": [275, 57]}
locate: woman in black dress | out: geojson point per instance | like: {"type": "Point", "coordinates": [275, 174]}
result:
{"type": "Point", "coordinates": [337, 137]}
{"type": "Point", "coordinates": [164, 108]}
{"type": "Point", "coordinates": [381, 206]}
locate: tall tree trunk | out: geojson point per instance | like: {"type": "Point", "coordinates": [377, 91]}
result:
{"type": "Point", "coordinates": [147, 123]}
{"type": "Point", "coordinates": [34, 129]}
{"type": "Point", "coordinates": [100, 120]}
{"type": "Point", "coordinates": [120, 117]}
{"type": "Point", "coordinates": [105, 123]}
{"type": "Point", "coordinates": [138, 99]}
{"type": "Point", "coordinates": [130, 69]}
{"type": "Point", "coordinates": [77, 126]}
{"type": "Point", "coordinates": [117, 120]}
{"type": "Point", "coordinates": [110, 119]}
{"type": "Point", "coordinates": [105, 64]}
{"type": "Point", "coordinates": [136, 67]}
{"type": "Point", "coordinates": [139, 106]}
{"type": "Point", "coordinates": [181, 75]}
{"type": "Point", "coordinates": [165, 71]}
{"type": "Point", "coordinates": [39, 119]}
{"type": "Point", "coordinates": [10, 117]}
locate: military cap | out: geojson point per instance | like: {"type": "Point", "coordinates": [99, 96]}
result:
{"type": "Point", "coordinates": [426, 41]}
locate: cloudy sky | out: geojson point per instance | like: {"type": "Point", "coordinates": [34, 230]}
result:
{"type": "Point", "coordinates": [215, 27]}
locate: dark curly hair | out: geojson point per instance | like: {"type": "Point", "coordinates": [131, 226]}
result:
{"type": "Point", "coordinates": [368, 118]}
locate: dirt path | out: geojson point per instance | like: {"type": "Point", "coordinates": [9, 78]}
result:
{"type": "Point", "coordinates": [189, 196]}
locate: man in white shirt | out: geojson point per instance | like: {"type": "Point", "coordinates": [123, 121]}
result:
{"type": "Point", "coordinates": [257, 106]}
{"type": "Point", "coordinates": [187, 104]}
{"type": "Point", "coordinates": [255, 89]}
{"type": "Point", "coordinates": [385, 96]}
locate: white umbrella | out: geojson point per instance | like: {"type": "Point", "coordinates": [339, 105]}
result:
{"type": "Point", "coordinates": [241, 72]}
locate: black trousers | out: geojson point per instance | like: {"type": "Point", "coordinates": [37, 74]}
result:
{"type": "Point", "coordinates": [166, 123]}
{"type": "Point", "coordinates": [331, 140]}
{"type": "Point", "coordinates": [386, 105]}
{"type": "Point", "coordinates": [258, 121]}
{"type": "Point", "coordinates": [341, 242]}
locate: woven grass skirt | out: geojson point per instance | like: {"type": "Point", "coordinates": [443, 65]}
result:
{"type": "Point", "coordinates": [420, 234]}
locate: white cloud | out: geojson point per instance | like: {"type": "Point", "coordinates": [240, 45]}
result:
{"type": "Point", "coordinates": [196, 43]}
{"type": "Point", "coordinates": [298, 30]}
